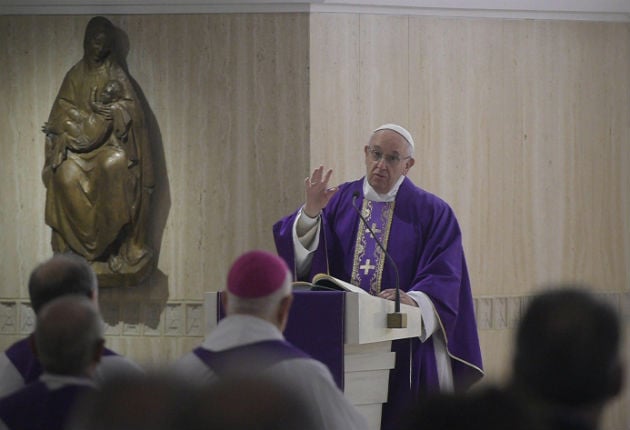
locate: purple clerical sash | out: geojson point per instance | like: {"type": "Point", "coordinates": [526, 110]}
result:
{"type": "Point", "coordinates": [369, 259]}
{"type": "Point", "coordinates": [24, 360]}
{"type": "Point", "coordinates": [38, 407]}
{"type": "Point", "coordinates": [26, 363]}
{"type": "Point", "coordinates": [248, 359]}
{"type": "Point", "coordinates": [315, 326]}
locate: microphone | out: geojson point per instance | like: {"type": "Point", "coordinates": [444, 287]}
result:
{"type": "Point", "coordinates": [395, 319]}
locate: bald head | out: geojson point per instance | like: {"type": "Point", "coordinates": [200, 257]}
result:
{"type": "Point", "coordinates": [69, 336]}
{"type": "Point", "coordinates": [62, 274]}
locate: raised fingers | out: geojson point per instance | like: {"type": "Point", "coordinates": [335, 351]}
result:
{"type": "Point", "coordinates": [316, 176]}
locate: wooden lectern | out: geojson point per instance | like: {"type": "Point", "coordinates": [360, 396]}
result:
{"type": "Point", "coordinates": [366, 343]}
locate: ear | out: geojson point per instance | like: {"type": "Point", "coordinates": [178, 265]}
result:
{"type": "Point", "coordinates": [94, 297]}
{"type": "Point", "coordinates": [283, 311]}
{"type": "Point", "coordinates": [409, 164]}
{"type": "Point", "coordinates": [99, 348]}
{"type": "Point", "coordinates": [224, 300]}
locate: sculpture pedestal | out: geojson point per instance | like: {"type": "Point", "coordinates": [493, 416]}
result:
{"type": "Point", "coordinates": [124, 274]}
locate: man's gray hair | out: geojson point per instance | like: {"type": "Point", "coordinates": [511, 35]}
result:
{"type": "Point", "coordinates": [60, 275]}
{"type": "Point", "coordinates": [68, 332]}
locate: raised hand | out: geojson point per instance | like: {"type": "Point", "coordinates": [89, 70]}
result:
{"type": "Point", "coordinates": [318, 193]}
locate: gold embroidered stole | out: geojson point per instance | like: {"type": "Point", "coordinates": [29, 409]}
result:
{"type": "Point", "coordinates": [369, 259]}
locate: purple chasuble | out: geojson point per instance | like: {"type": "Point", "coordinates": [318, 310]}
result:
{"type": "Point", "coordinates": [22, 357]}
{"type": "Point", "coordinates": [35, 407]}
{"type": "Point", "coordinates": [248, 359]}
{"type": "Point", "coordinates": [425, 242]}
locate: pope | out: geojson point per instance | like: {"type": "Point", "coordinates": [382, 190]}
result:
{"type": "Point", "coordinates": [421, 234]}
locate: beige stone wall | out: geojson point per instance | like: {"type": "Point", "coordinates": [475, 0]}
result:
{"type": "Point", "coordinates": [521, 125]}
{"type": "Point", "coordinates": [229, 96]}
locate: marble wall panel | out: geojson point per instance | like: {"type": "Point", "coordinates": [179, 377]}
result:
{"type": "Point", "coordinates": [457, 112]}
{"type": "Point", "coordinates": [516, 125]}
{"type": "Point", "coordinates": [336, 136]}
{"type": "Point", "coordinates": [521, 125]}
{"type": "Point", "coordinates": [228, 112]}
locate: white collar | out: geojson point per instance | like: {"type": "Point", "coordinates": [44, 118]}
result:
{"type": "Point", "coordinates": [54, 381]}
{"type": "Point", "coordinates": [370, 194]}
{"type": "Point", "coordinates": [239, 329]}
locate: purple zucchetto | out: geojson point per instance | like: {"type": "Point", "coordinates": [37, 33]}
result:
{"type": "Point", "coordinates": [257, 274]}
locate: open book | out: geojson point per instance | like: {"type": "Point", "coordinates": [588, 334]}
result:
{"type": "Point", "coordinates": [324, 282]}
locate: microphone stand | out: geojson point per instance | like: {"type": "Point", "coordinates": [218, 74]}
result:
{"type": "Point", "coordinates": [395, 319]}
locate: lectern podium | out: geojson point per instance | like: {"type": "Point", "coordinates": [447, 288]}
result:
{"type": "Point", "coordinates": [360, 335]}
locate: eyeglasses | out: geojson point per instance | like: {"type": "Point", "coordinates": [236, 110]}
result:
{"type": "Point", "coordinates": [391, 160]}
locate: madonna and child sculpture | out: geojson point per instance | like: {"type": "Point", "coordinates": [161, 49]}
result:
{"type": "Point", "coordinates": [98, 171]}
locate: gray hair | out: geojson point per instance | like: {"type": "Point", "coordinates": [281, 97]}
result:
{"type": "Point", "coordinates": [60, 275]}
{"type": "Point", "coordinates": [68, 332]}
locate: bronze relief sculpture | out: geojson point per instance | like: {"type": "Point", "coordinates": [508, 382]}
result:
{"type": "Point", "coordinates": [98, 171]}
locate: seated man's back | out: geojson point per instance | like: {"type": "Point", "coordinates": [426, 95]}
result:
{"type": "Point", "coordinates": [43, 404]}
{"type": "Point", "coordinates": [249, 342]}
{"type": "Point", "coordinates": [19, 366]}
{"type": "Point", "coordinates": [69, 343]}
{"type": "Point", "coordinates": [61, 275]}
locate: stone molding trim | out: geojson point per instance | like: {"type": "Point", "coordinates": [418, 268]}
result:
{"type": "Point", "coordinates": [504, 312]}
{"type": "Point", "coordinates": [187, 319]}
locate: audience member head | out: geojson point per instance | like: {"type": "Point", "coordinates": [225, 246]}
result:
{"type": "Point", "coordinates": [162, 401]}
{"type": "Point", "coordinates": [156, 401]}
{"type": "Point", "coordinates": [69, 336]}
{"type": "Point", "coordinates": [259, 284]}
{"type": "Point", "coordinates": [482, 409]}
{"type": "Point", "coordinates": [567, 350]}
{"type": "Point", "coordinates": [250, 403]}
{"type": "Point", "coordinates": [60, 275]}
